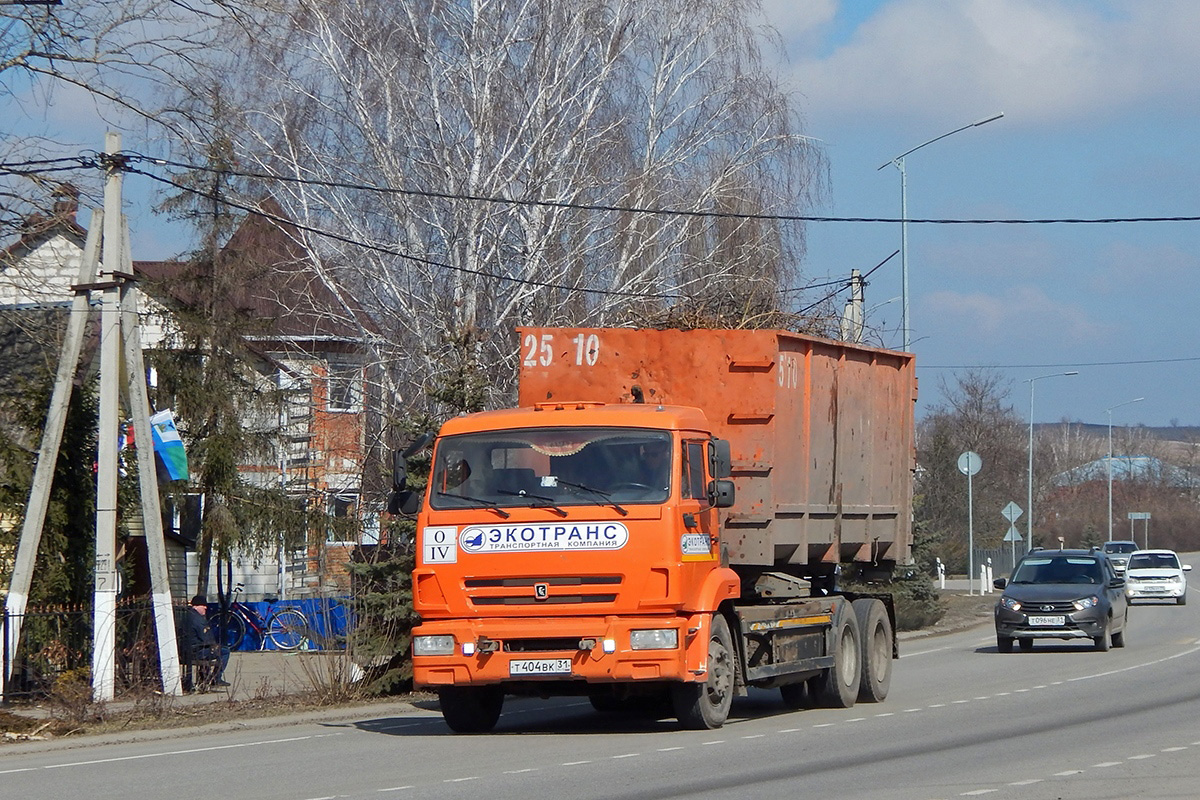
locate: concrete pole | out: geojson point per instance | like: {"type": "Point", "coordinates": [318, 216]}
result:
{"type": "Point", "coordinates": [104, 618]}
{"type": "Point", "coordinates": [43, 475]}
{"type": "Point", "coordinates": [156, 546]}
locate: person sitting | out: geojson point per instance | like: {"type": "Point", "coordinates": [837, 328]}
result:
{"type": "Point", "coordinates": [199, 647]}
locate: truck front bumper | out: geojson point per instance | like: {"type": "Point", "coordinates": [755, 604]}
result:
{"type": "Point", "coordinates": [583, 649]}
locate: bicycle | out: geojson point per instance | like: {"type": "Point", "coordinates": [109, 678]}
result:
{"type": "Point", "coordinates": [286, 627]}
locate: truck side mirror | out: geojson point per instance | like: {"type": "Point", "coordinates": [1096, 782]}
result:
{"type": "Point", "coordinates": [721, 493]}
{"type": "Point", "coordinates": [404, 502]}
{"type": "Point", "coordinates": [720, 460]}
{"type": "Point", "coordinates": [401, 499]}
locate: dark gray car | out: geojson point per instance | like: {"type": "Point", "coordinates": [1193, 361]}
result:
{"type": "Point", "coordinates": [1061, 594]}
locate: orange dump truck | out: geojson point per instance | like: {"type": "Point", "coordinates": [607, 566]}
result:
{"type": "Point", "coordinates": [661, 525]}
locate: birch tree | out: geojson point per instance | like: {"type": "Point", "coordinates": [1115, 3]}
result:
{"type": "Point", "coordinates": [485, 164]}
{"type": "Point", "coordinates": [105, 60]}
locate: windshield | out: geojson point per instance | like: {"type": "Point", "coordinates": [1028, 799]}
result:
{"type": "Point", "coordinates": [1123, 548]}
{"type": "Point", "coordinates": [1153, 561]}
{"type": "Point", "coordinates": [552, 467]}
{"type": "Point", "coordinates": [1058, 569]}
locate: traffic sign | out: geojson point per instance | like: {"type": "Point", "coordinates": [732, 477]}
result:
{"type": "Point", "coordinates": [969, 463]}
{"type": "Point", "coordinates": [1013, 535]}
{"type": "Point", "coordinates": [1011, 512]}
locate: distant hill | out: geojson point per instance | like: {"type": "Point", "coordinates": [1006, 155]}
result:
{"type": "Point", "coordinates": [1189, 434]}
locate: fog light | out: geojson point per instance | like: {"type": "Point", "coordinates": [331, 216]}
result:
{"type": "Point", "coordinates": [610, 646]}
{"type": "Point", "coordinates": [656, 639]}
{"type": "Point", "coordinates": [441, 644]}
{"type": "Point", "coordinates": [468, 648]}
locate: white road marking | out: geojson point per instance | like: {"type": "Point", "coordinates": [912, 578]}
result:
{"type": "Point", "coordinates": [627, 755]}
{"type": "Point", "coordinates": [575, 763]}
{"type": "Point", "coordinates": [1029, 782]}
{"type": "Point", "coordinates": [394, 789]}
{"type": "Point", "coordinates": [1143, 755]}
{"type": "Point", "coordinates": [1068, 773]}
{"type": "Point", "coordinates": [188, 751]}
{"type": "Point", "coordinates": [1104, 764]}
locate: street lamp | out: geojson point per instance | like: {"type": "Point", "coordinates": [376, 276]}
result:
{"type": "Point", "coordinates": [898, 162]}
{"type": "Point", "coordinates": [1029, 499]}
{"type": "Point", "coordinates": [1108, 461]}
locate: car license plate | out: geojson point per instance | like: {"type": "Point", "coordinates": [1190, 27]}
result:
{"type": "Point", "coordinates": [540, 666]}
{"type": "Point", "coordinates": [1047, 622]}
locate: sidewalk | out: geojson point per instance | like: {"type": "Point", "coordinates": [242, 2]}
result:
{"type": "Point", "coordinates": [271, 673]}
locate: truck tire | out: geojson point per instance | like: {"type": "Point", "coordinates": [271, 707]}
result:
{"type": "Point", "coordinates": [471, 709]}
{"type": "Point", "coordinates": [876, 630]}
{"type": "Point", "coordinates": [837, 687]}
{"type": "Point", "coordinates": [704, 706]}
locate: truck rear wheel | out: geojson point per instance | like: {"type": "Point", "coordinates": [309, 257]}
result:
{"type": "Point", "coordinates": [703, 706]}
{"type": "Point", "coordinates": [877, 640]}
{"type": "Point", "coordinates": [471, 709]}
{"type": "Point", "coordinates": [837, 687]}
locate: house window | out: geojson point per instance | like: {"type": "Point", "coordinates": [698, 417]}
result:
{"type": "Point", "coordinates": [345, 387]}
{"type": "Point", "coordinates": [182, 516]}
{"type": "Point", "coordinates": [343, 519]}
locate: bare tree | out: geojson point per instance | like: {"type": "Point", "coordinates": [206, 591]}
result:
{"type": "Point", "coordinates": [489, 164]}
{"type": "Point", "coordinates": [107, 58]}
{"type": "Point", "coordinates": [976, 417]}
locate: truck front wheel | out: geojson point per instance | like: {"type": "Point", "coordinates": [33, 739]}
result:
{"type": "Point", "coordinates": [837, 687]}
{"type": "Point", "coordinates": [471, 709]}
{"type": "Point", "coordinates": [703, 706]}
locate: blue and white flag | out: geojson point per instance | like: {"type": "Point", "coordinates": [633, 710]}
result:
{"type": "Point", "coordinates": [168, 445]}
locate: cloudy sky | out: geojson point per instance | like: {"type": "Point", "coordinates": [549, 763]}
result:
{"type": "Point", "coordinates": [1101, 120]}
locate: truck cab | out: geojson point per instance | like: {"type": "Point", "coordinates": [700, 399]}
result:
{"type": "Point", "coordinates": [570, 543]}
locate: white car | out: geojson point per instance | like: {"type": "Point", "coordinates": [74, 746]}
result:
{"type": "Point", "coordinates": [1156, 575]}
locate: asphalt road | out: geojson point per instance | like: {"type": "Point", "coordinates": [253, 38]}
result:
{"type": "Point", "coordinates": [962, 720]}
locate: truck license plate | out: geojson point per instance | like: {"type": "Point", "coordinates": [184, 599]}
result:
{"type": "Point", "coordinates": [540, 666]}
{"type": "Point", "coordinates": [1047, 622]}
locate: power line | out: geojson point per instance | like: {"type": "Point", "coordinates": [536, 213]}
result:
{"type": "Point", "coordinates": [663, 211]}
{"type": "Point", "coordinates": [656, 211]}
{"type": "Point", "coordinates": [398, 253]}
{"type": "Point", "coordinates": [1064, 365]}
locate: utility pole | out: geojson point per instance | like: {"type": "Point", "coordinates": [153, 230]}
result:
{"type": "Point", "coordinates": [119, 334]}
{"type": "Point", "coordinates": [852, 315]}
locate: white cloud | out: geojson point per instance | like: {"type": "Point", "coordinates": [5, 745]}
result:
{"type": "Point", "coordinates": [1036, 60]}
{"type": "Point", "coordinates": [1021, 315]}
{"type": "Point", "coordinates": [793, 18]}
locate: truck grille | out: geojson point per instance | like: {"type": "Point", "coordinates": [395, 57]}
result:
{"type": "Point", "coordinates": [500, 591]}
{"type": "Point", "coordinates": [554, 600]}
{"type": "Point", "coordinates": [541, 645]}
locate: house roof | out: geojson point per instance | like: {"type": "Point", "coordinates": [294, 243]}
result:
{"type": "Point", "coordinates": [300, 299]}
{"type": "Point", "coordinates": [38, 228]}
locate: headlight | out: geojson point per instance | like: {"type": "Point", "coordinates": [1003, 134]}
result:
{"type": "Point", "coordinates": [1010, 604]}
{"type": "Point", "coordinates": [1175, 579]}
{"type": "Point", "coordinates": [657, 639]}
{"type": "Point", "coordinates": [1087, 602]}
{"type": "Point", "coordinates": [440, 645]}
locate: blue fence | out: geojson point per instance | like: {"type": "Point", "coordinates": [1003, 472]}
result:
{"type": "Point", "coordinates": [329, 622]}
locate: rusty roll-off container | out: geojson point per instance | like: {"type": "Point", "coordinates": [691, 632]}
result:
{"type": "Point", "coordinates": [821, 431]}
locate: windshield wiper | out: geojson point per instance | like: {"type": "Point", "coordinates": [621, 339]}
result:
{"type": "Point", "coordinates": [488, 503]}
{"type": "Point", "coordinates": [547, 502]}
{"type": "Point", "coordinates": [599, 493]}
